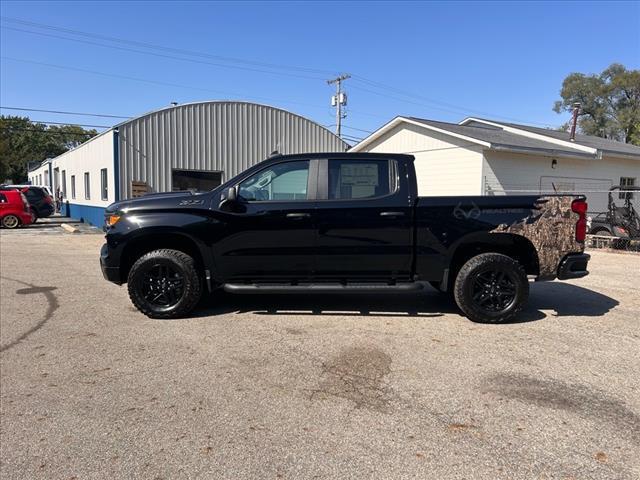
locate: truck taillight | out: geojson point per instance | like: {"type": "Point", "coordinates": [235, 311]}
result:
{"type": "Point", "coordinates": [580, 207]}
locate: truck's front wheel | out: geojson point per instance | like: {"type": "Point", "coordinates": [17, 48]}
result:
{"type": "Point", "coordinates": [491, 288]}
{"type": "Point", "coordinates": [164, 284]}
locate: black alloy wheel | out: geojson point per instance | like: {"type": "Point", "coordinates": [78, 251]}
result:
{"type": "Point", "coordinates": [165, 283]}
{"type": "Point", "coordinates": [491, 288]}
{"type": "Point", "coordinates": [162, 285]}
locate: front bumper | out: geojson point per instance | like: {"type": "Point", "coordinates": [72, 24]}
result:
{"type": "Point", "coordinates": [110, 272]}
{"type": "Point", "coordinates": [573, 265]}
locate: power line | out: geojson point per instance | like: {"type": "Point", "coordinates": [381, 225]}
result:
{"type": "Point", "coordinates": [63, 112]}
{"type": "Point", "coordinates": [357, 129]}
{"type": "Point", "coordinates": [144, 80]}
{"type": "Point", "coordinates": [71, 124]}
{"type": "Point", "coordinates": [350, 128]}
{"type": "Point", "coordinates": [163, 48]}
{"type": "Point", "coordinates": [47, 132]}
{"type": "Point", "coordinates": [176, 85]}
{"type": "Point", "coordinates": [161, 55]}
{"type": "Point", "coordinates": [23, 109]}
{"type": "Point", "coordinates": [444, 106]}
{"type": "Point", "coordinates": [452, 107]}
{"type": "Point", "coordinates": [413, 102]}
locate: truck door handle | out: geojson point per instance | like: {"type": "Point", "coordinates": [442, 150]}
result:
{"type": "Point", "coordinates": [392, 214]}
{"type": "Point", "coordinates": [298, 215]}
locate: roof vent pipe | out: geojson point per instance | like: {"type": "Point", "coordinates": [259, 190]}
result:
{"type": "Point", "coordinates": [574, 121]}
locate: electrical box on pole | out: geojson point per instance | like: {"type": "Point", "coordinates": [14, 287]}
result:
{"type": "Point", "coordinates": [339, 100]}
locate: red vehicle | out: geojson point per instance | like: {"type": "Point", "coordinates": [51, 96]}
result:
{"type": "Point", "coordinates": [14, 209]}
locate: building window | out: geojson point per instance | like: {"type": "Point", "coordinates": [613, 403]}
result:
{"type": "Point", "coordinates": [73, 186]}
{"type": "Point", "coordinates": [64, 183]}
{"type": "Point", "coordinates": [87, 188]}
{"type": "Point", "coordinates": [104, 193]}
{"type": "Point", "coordinates": [626, 182]}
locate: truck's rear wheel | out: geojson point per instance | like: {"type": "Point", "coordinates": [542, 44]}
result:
{"type": "Point", "coordinates": [491, 288]}
{"type": "Point", "coordinates": [164, 284]}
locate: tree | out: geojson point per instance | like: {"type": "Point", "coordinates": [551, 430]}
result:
{"type": "Point", "coordinates": [22, 141]}
{"type": "Point", "coordinates": [609, 102]}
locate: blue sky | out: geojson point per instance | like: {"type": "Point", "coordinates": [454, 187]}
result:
{"type": "Point", "coordinates": [500, 60]}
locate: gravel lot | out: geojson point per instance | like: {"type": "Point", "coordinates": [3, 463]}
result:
{"type": "Point", "coordinates": [287, 387]}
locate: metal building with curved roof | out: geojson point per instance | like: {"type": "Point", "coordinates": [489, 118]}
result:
{"type": "Point", "coordinates": [194, 145]}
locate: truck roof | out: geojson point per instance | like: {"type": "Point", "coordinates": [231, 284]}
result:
{"type": "Point", "coordinates": [347, 155]}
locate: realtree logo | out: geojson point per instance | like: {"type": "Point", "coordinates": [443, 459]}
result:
{"type": "Point", "coordinates": [467, 212]}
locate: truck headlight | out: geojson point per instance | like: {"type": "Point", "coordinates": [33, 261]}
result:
{"type": "Point", "coordinates": [112, 220]}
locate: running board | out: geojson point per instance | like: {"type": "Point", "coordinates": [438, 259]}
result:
{"type": "Point", "coordinates": [272, 288]}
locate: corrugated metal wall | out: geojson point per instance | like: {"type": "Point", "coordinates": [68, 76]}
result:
{"type": "Point", "coordinates": [215, 136]}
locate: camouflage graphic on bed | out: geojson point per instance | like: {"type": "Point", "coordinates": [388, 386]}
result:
{"type": "Point", "coordinates": [550, 227]}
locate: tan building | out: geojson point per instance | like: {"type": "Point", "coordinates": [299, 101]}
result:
{"type": "Point", "coordinates": [487, 157]}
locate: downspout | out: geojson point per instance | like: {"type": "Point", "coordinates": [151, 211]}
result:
{"type": "Point", "coordinates": [116, 164]}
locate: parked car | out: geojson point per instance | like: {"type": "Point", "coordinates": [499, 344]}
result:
{"type": "Point", "coordinates": [41, 202]}
{"type": "Point", "coordinates": [46, 188]}
{"type": "Point", "coordinates": [341, 223]}
{"type": "Point", "coordinates": [14, 209]}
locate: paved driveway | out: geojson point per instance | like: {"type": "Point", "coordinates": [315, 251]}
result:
{"type": "Point", "coordinates": [320, 387]}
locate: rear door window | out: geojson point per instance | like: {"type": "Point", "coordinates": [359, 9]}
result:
{"type": "Point", "coordinates": [360, 179]}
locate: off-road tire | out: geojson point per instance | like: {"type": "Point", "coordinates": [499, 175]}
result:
{"type": "Point", "coordinates": [11, 221]}
{"type": "Point", "coordinates": [484, 264]}
{"type": "Point", "coordinates": [177, 260]}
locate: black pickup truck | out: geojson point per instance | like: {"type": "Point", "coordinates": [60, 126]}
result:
{"type": "Point", "coordinates": [340, 222]}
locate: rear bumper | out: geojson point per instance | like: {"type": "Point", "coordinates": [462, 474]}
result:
{"type": "Point", "coordinates": [109, 272]}
{"type": "Point", "coordinates": [45, 210]}
{"type": "Point", "coordinates": [26, 218]}
{"type": "Point", "coordinates": [573, 265]}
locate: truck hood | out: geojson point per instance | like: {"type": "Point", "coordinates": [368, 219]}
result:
{"type": "Point", "coordinates": [161, 201]}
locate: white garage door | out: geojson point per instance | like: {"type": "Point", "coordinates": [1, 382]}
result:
{"type": "Point", "coordinates": [595, 189]}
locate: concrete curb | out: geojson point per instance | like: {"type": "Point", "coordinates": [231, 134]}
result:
{"type": "Point", "coordinates": [70, 228]}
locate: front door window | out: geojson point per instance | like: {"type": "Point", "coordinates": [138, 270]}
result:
{"type": "Point", "coordinates": [282, 182]}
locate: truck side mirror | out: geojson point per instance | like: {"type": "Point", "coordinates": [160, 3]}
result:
{"type": "Point", "coordinates": [229, 202]}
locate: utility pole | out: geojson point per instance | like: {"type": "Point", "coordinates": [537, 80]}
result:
{"type": "Point", "coordinates": [339, 100]}
{"type": "Point", "coordinates": [574, 121]}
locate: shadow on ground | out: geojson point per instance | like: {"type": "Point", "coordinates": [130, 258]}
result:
{"type": "Point", "coordinates": [563, 299]}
